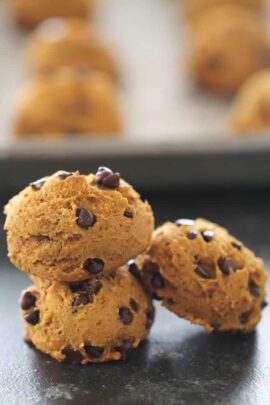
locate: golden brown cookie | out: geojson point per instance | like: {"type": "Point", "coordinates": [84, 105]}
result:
{"type": "Point", "coordinates": [29, 13]}
{"type": "Point", "coordinates": [70, 227]}
{"type": "Point", "coordinates": [228, 44]}
{"type": "Point", "coordinates": [64, 42]}
{"type": "Point", "coordinates": [251, 108]}
{"type": "Point", "coordinates": [205, 275]}
{"type": "Point", "coordinates": [193, 8]}
{"type": "Point", "coordinates": [91, 321]}
{"type": "Point", "coordinates": [68, 101]}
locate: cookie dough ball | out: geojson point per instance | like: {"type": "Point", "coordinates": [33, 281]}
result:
{"type": "Point", "coordinates": [251, 108]}
{"type": "Point", "coordinates": [205, 275]}
{"type": "Point", "coordinates": [29, 13]}
{"type": "Point", "coordinates": [68, 101]}
{"type": "Point", "coordinates": [193, 8]}
{"type": "Point", "coordinates": [64, 42]}
{"type": "Point", "coordinates": [228, 44]}
{"type": "Point", "coordinates": [70, 227]}
{"type": "Point", "coordinates": [87, 322]}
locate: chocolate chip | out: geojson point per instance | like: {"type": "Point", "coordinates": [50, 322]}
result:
{"type": "Point", "coordinates": [124, 349]}
{"type": "Point", "coordinates": [77, 286]}
{"type": "Point", "coordinates": [85, 218]}
{"type": "Point", "coordinates": [94, 266]}
{"type": "Point", "coordinates": [202, 273]}
{"type": "Point", "coordinates": [37, 185]}
{"type": "Point", "coordinates": [192, 234]}
{"type": "Point", "coordinates": [208, 236]}
{"type": "Point", "coordinates": [81, 299]}
{"type": "Point", "coordinates": [226, 264]}
{"type": "Point", "coordinates": [244, 318]}
{"type": "Point", "coordinates": [156, 297]}
{"type": "Point", "coordinates": [128, 214]}
{"type": "Point", "coordinates": [125, 315]}
{"type": "Point", "coordinates": [133, 269]}
{"type": "Point", "coordinates": [94, 289]}
{"type": "Point", "coordinates": [264, 304]}
{"type": "Point", "coordinates": [62, 174]}
{"type": "Point", "coordinates": [107, 178]}
{"type": "Point", "coordinates": [237, 245]}
{"type": "Point", "coordinates": [28, 300]}
{"type": "Point", "coordinates": [32, 318]}
{"type": "Point", "coordinates": [133, 305]}
{"type": "Point", "coordinates": [254, 289]}
{"type": "Point", "coordinates": [150, 316]}
{"type": "Point", "coordinates": [183, 221]}
{"type": "Point", "coordinates": [94, 351]}
{"type": "Point", "coordinates": [215, 325]}
{"type": "Point", "coordinates": [73, 356]}
{"type": "Point", "coordinates": [157, 280]}
{"type": "Point", "coordinates": [171, 301]}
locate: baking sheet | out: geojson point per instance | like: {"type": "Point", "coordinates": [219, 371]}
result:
{"type": "Point", "coordinates": [165, 116]}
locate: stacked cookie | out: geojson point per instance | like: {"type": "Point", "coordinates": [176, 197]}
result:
{"type": "Point", "coordinates": [72, 233]}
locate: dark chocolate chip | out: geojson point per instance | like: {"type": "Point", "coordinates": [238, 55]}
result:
{"type": "Point", "coordinates": [150, 267]}
{"type": "Point", "coordinates": [94, 289]}
{"type": "Point", "coordinates": [215, 325]}
{"type": "Point", "coordinates": [184, 221]}
{"type": "Point", "coordinates": [73, 356]}
{"type": "Point", "coordinates": [128, 214]}
{"type": "Point", "coordinates": [202, 273]}
{"type": "Point", "coordinates": [150, 316]}
{"type": "Point", "coordinates": [28, 300]}
{"type": "Point", "coordinates": [157, 280]}
{"type": "Point", "coordinates": [156, 297]}
{"type": "Point", "coordinates": [244, 318]}
{"type": "Point", "coordinates": [237, 245]}
{"type": "Point", "coordinates": [192, 234]}
{"type": "Point", "coordinates": [94, 266]}
{"type": "Point", "coordinates": [85, 218]}
{"type": "Point", "coordinates": [254, 289]}
{"type": "Point", "coordinates": [264, 304]}
{"type": "Point", "coordinates": [77, 286]}
{"type": "Point", "coordinates": [133, 305]}
{"type": "Point", "coordinates": [208, 236]}
{"type": "Point", "coordinates": [171, 301]}
{"type": "Point", "coordinates": [226, 264]}
{"type": "Point", "coordinates": [94, 351]}
{"type": "Point", "coordinates": [62, 174]}
{"type": "Point", "coordinates": [133, 269]}
{"type": "Point", "coordinates": [81, 299]}
{"type": "Point", "coordinates": [125, 315]}
{"type": "Point", "coordinates": [107, 178]}
{"type": "Point", "coordinates": [124, 349]}
{"type": "Point", "coordinates": [32, 318]}
{"type": "Point", "coordinates": [37, 185]}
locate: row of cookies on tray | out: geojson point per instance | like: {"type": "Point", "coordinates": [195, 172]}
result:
{"type": "Point", "coordinates": [230, 54]}
{"type": "Point", "coordinates": [72, 87]}
{"type": "Point", "coordinates": [73, 235]}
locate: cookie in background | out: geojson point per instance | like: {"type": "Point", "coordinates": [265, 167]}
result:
{"type": "Point", "coordinates": [68, 101]}
{"type": "Point", "coordinates": [29, 13]}
{"type": "Point", "coordinates": [250, 112]}
{"type": "Point", "coordinates": [68, 42]}
{"type": "Point", "coordinates": [227, 45]}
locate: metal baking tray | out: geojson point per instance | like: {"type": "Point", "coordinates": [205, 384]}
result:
{"type": "Point", "coordinates": [174, 134]}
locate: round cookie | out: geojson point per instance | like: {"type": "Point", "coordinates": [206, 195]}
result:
{"type": "Point", "coordinates": [205, 275]}
{"type": "Point", "coordinates": [70, 227]}
{"type": "Point", "coordinates": [68, 101]}
{"type": "Point", "coordinates": [216, 38]}
{"type": "Point", "coordinates": [193, 8]}
{"type": "Point", "coordinates": [90, 321]}
{"type": "Point", "coordinates": [251, 110]}
{"type": "Point", "coordinates": [29, 13]}
{"type": "Point", "coordinates": [68, 42]}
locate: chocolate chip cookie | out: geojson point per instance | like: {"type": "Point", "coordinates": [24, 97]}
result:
{"type": "Point", "coordinates": [68, 41]}
{"type": "Point", "coordinates": [205, 275]}
{"type": "Point", "coordinates": [90, 321]}
{"type": "Point", "coordinates": [29, 13]}
{"type": "Point", "coordinates": [71, 227]}
{"type": "Point", "coordinates": [68, 101]}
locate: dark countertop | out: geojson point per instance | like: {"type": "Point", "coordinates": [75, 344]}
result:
{"type": "Point", "coordinates": [179, 363]}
